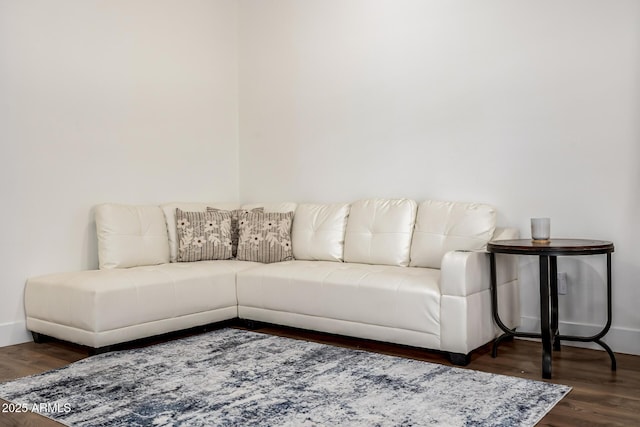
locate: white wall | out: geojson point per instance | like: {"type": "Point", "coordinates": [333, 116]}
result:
{"type": "Point", "coordinates": [531, 106]}
{"type": "Point", "coordinates": [122, 101]}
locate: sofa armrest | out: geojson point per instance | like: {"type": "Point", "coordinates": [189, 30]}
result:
{"type": "Point", "coordinates": [465, 273]}
{"type": "Point", "coordinates": [466, 318]}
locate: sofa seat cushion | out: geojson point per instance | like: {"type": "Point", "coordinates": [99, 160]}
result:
{"type": "Point", "coordinates": [105, 300]}
{"type": "Point", "coordinates": [389, 296]}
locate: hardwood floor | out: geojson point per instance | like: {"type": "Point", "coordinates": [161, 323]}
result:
{"type": "Point", "coordinates": [599, 397]}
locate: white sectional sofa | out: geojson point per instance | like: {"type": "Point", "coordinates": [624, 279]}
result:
{"type": "Point", "coordinates": [382, 269]}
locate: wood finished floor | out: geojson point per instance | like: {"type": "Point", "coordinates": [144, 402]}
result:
{"type": "Point", "coordinates": [599, 397]}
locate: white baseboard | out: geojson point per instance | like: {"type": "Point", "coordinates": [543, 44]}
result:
{"type": "Point", "coordinates": [621, 340]}
{"type": "Point", "coordinates": [14, 333]}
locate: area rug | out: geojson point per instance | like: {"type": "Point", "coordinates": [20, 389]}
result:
{"type": "Point", "coordinates": [232, 377]}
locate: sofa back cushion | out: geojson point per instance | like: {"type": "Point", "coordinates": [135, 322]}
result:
{"type": "Point", "coordinates": [445, 226]}
{"type": "Point", "coordinates": [169, 210]}
{"type": "Point", "coordinates": [318, 231]}
{"type": "Point", "coordinates": [379, 231]}
{"type": "Point", "coordinates": [271, 207]}
{"type": "Point", "coordinates": [130, 236]}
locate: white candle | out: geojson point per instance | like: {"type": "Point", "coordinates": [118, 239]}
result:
{"type": "Point", "coordinates": [540, 228]}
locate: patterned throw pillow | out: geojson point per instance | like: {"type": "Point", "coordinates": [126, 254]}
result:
{"type": "Point", "coordinates": [203, 235]}
{"type": "Point", "coordinates": [265, 237]}
{"type": "Point", "coordinates": [235, 231]}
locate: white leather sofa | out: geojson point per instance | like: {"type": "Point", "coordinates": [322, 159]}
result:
{"type": "Point", "coordinates": [388, 270]}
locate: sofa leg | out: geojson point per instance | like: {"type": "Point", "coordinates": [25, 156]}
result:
{"type": "Point", "coordinates": [38, 338]}
{"type": "Point", "coordinates": [99, 350]}
{"type": "Point", "coordinates": [251, 324]}
{"type": "Point", "coordinates": [460, 359]}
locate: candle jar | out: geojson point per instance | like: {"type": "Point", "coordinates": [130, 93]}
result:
{"type": "Point", "coordinates": [540, 229]}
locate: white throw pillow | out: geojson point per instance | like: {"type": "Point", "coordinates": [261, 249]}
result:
{"type": "Point", "coordinates": [445, 226]}
{"type": "Point", "coordinates": [318, 231]}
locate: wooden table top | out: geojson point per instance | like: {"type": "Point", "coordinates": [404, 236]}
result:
{"type": "Point", "coordinates": [550, 247]}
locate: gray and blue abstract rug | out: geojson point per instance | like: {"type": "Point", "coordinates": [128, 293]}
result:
{"type": "Point", "coordinates": [232, 377]}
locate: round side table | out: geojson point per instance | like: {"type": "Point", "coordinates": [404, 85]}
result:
{"type": "Point", "coordinates": [547, 253]}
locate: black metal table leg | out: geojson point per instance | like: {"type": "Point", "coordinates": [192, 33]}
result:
{"type": "Point", "coordinates": [553, 282]}
{"type": "Point", "coordinates": [608, 325]}
{"type": "Point", "coordinates": [597, 338]}
{"type": "Point", "coordinates": [508, 333]}
{"type": "Point", "coordinates": [545, 326]}
{"type": "Point", "coordinates": [494, 306]}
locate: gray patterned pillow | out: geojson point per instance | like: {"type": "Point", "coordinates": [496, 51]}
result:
{"type": "Point", "coordinates": [265, 237]}
{"type": "Point", "coordinates": [203, 235]}
{"type": "Point", "coordinates": [235, 231]}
